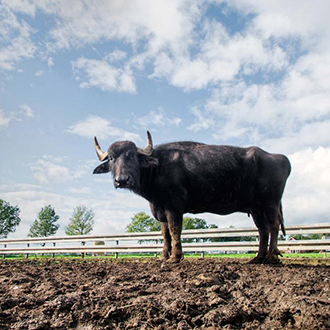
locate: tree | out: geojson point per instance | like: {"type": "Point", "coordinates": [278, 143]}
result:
{"type": "Point", "coordinates": [45, 224]}
{"type": "Point", "coordinates": [9, 218]}
{"type": "Point", "coordinates": [306, 236]}
{"type": "Point", "coordinates": [142, 222]}
{"type": "Point", "coordinates": [81, 221]}
{"type": "Point", "coordinates": [193, 223]}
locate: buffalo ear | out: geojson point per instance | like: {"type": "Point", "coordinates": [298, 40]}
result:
{"type": "Point", "coordinates": [103, 168]}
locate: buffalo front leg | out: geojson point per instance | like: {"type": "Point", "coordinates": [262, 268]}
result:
{"type": "Point", "coordinates": [159, 214]}
{"type": "Point", "coordinates": [167, 247]}
{"type": "Point", "coordinates": [174, 221]}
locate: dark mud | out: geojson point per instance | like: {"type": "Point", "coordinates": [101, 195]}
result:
{"type": "Point", "coordinates": [146, 294]}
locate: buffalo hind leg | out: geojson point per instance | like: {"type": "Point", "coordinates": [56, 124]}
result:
{"type": "Point", "coordinates": [174, 221]}
{"type": "Point", "coordinates": [259, 220]}
{"type": "Point", "coordinates": [274, 252]}
{"type": "Point", "coordinates": [167, 247]}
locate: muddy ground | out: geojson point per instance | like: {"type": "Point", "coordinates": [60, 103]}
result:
{"type": "Point", "coordinates": [146, 294]}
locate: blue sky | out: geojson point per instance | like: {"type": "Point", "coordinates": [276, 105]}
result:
{"type": "Point", "coordinates": [238, 72]}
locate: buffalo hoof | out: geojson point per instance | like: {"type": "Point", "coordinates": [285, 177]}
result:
{"type": "Point", "coordinates": [164, 257]}
{"type": "Point", "coordinates": [272, 259]}
{"type": "Point", "coordinates": [174, 260]}
{"type": "Point", "coordinates": [269, 259]}
{"type": "Point", "coordinates": [257, 260]}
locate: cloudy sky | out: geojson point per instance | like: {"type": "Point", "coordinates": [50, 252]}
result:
{"type": "Point", "coordinates": [239, 72]}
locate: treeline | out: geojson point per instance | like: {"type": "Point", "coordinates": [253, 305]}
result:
{"type": "Point", "coordinates": [45, 224]}
{"type": "Point", "coordinates": [142, 222]}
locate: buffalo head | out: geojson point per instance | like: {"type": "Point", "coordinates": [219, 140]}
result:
{"type": "Point", "coordinates": [123, 159]}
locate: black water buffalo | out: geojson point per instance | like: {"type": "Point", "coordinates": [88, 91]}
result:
{"type": "Point", "coordinates": [182, 177]}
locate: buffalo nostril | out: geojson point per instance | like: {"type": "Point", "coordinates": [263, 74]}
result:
{"type": "Point", "coordinates": [121, 180]}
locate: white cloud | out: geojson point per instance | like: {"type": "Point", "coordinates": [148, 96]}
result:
{"type": "Point", "coordinates": [19, 187]}
{"type": "Point", "coordinates": [102, 128]}
{"type": "Point", "coordinates": [148, 27]}
{"type": "Point", "coordinates": [115, 56]}
{"type": "Point", "coordinates": [39, 73]}
{"type": "Point", "coordinates": [84, 190]}
{"type": "Point", "coordinates": [303, 19]}
{"type": "Point", "coordinates": [101, 74]}
{"type": "Point", "coordinates": [201, 121]}
{"type": "Point", "coordinates": [4, 120]}
{"type": "Point", "coordinates": [162, 22]}
{"type": "Point", "coordinates": [27, 7]}
{"type": "Point", "coordinates": [16, 37]}
{"type": "Point", "coordinates": [273, 113]}
{"type": "Point", "coordinates": [221, 57]}
{"type": "Point", "coordinates": [311, 135]}
{"type": "Point", "coordinates": [50, 62]}
{"type": "Point", "coordinates": [308, 187]}
{"type": "Point", "coordinates": [157, 119]}
{"type": "Point", "coordinates": [25, 111]}
{"type": "Point", "coordinates": [46, 171]}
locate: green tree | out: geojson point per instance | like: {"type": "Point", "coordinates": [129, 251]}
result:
{"type": "Point", "coordinates": [142, 222]}
{"type": "Point", "coordinates": [193, 223]}
{"type": "Point", "coordinates": [306, 236]}
{"type": "Point", "coordinates": [81, 221]}
{"type": "Point", "coordinates": [45, 224]}
{"type": "Point", "coordinates": [9, 218]}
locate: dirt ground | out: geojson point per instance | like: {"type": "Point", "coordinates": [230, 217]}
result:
{"type": "Point", "coordinates": [147, 294]}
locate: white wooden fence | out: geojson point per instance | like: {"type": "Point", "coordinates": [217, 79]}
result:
{"type": "Point", "coordinates": [127, 242]}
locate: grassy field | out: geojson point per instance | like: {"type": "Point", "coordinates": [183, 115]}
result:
{"type": "Point", "coordinates": [187, 255]}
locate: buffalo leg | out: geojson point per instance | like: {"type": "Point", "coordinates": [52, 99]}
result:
{"type": "Point", "coordinates": [273, 253]}
{"type": "Point", "coordinates": [174, 221]}
{"type": "Point", "coordinates": [263, 229]}
{"type": "Point", "coordinates": [159, 214]}
{"type": "Point", "coordinates": [272, 256]}
{"type": "Point", "coordinates": [167, 241]}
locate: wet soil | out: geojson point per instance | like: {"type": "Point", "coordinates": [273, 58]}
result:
{"type": "Point", "coordinates": [147, 294]}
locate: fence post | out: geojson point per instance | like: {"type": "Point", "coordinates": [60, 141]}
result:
{"type": "Point", "coordinates": [27, 255]}
{"type": "Point", "coordinates": [82, 253]}
{"type": "Point", "coordinates": [202, 254]}
{"type": "Point", "coordinates": [4, 255]}
{"type": "Point", "coordinates": [53, 254]}
{"type": "Point", "coordinates": [324, 251]}
{"type": "Point", "coordinates": [116, 253]}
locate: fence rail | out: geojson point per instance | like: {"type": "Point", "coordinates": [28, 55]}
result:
{"type": "Point", "coordinates": [111, 243]}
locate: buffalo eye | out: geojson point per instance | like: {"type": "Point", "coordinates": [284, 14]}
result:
{"type": "Point", "coordinates": [110, 158]}
{"type": "Point", "coordinates": [129, 154]}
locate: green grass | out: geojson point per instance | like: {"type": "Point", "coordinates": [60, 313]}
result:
{"type": "Point", "coordinates": [311, 255]}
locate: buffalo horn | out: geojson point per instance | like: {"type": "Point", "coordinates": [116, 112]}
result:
{"type": "Point", "coordinates": [149, 148]}
{"type": "Point", "coordinates": [102, 155]}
